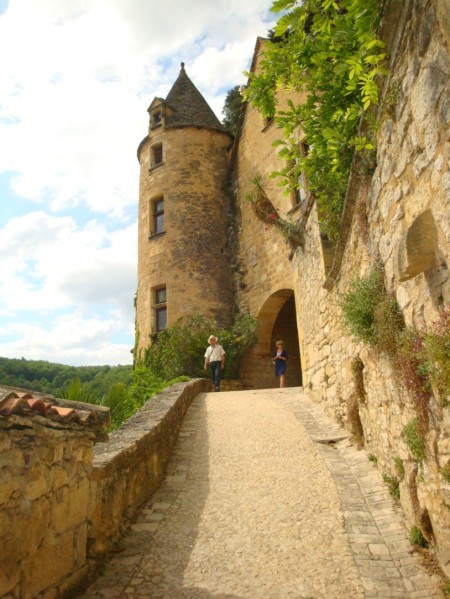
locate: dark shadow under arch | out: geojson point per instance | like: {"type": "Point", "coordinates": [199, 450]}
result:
{"type": "Point", "coordinates": [276, 320]}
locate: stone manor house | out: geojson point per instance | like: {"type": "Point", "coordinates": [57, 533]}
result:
{"type": "Point", "coordinates": [203, 249]}
{"type": "Point", "coordinates": [68, 491]}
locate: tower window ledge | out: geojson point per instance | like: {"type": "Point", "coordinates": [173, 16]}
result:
{"type": "Point", "coordinates": [155, 166]}
{"type": "Point", "coordinates": [156, 126]}
{"type": "Point", "coordinates": [155, 235]}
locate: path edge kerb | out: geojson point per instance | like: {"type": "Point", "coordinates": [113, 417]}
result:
{"type": "Point", "coordinates": [130, 466]}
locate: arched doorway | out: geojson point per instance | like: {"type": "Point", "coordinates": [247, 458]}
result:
{"type": "Point", "coordinates": [276, 320]}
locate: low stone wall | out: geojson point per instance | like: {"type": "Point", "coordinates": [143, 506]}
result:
{"type": "Point", "coordinates": [64, 499]}
{"type": "Point", "coordinates": [130, 466]}
{"type": "Point", "coordinates": [44, 495]}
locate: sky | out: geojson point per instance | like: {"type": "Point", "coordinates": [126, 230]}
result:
{"type": "Point", "coordinates": [76, 79]}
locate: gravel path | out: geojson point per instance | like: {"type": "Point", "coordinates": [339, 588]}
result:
{"type": "Point", "coordinates": [257, 504]}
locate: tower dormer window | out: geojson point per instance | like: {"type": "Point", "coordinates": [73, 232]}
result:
{"type": "Point", "coordinates": [156, 155]}
{"type": "Point", "coordinates": [156, 118]}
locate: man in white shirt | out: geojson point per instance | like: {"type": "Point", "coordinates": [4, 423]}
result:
{"type": "Point", "coordinates": [215, 358]}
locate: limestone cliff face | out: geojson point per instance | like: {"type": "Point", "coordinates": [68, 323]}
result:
{"type": "Point", "coordinates": [183, 211]}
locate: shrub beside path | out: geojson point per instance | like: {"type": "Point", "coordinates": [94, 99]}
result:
{"type": "Point", "coordinates": [266, 498]}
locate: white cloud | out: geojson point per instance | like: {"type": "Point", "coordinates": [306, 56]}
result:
{"type": "Point", "coordinates": [49, 263]}
{"type": "Point", "coordinates": [75, 86]}
{"type": "Point", "coordinates": [70, 339]}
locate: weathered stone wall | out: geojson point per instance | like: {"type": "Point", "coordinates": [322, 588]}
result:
{"type": "Point", "coordinates": [401, 221]}
{"type": "Point", "coordinates": [192, 257]}
{"type": "Point", "coordinates": [399, 217]}
{"type": "Point", "coordinates": [44, 495]}
{"type": "Point", "coordinates": [130, 466]}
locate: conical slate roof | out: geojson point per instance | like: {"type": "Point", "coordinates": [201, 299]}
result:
{"type": "Point", "coordinates": [189, 106]}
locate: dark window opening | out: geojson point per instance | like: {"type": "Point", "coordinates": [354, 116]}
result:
{"type": "Point", "coordinates": [160, 305]}
{"type": "Point", "coordinates": [156, 118]}
{"type": "Point", "coordinates": [157, 155]}
{"type": "Point", "coordinates": [157, 216]}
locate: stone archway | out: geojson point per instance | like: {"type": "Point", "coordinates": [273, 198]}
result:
{"type": "Point", "coordinates": [276, 320]}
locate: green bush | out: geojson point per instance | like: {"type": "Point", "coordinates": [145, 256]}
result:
{"type": "Point", "coordinates": [437, 347]}
{"type": "Point", "coordinates": [416, 537]}
{"type": "Point", "coordinates": [393, 484]}
{"type": "Point", "coordinates": [389, 323]}
{"type": "Point", "coordinates": [445, 472]}
{"type": "Point", "coordinates": [179, 350]}
{"type": "Point", "coordinates": [359, 305]}
{"type": "Point", "coordinates": [414, 439]}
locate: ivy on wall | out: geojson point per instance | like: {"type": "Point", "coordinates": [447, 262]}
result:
{"type": "Point", "coordinates": [328, 50]}
{"type": "Point", "coordinates": [421, 358]}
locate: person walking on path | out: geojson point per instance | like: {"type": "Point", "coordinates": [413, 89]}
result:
{"type": "Point", "coordinates": [215, 358]}
{"type": "Point", "coordinates": [280, 358]}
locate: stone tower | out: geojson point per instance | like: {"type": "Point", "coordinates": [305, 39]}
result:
{"type": "Point", "coordinates": [183, 260]}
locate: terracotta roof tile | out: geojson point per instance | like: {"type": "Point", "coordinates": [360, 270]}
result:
{"type": "Point", "coordinates": [20, 402]}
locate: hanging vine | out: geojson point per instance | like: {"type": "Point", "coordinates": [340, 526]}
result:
{"type": "Point", "coordinates": [328, 50]}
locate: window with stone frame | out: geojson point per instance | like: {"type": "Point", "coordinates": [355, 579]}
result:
{"type": "Point", "coordinates": [160, 308]}
{"type": "Point", "coordinates": [156, 155]}
{"type": "Point", "coordinates": [157, 216]}
{"type": "Point", "coordinates": [300, 192]}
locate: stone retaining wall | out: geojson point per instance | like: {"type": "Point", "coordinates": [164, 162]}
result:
{"type": "Point", "coordinates": [130, 466]}
{"type": "Point", "coordinates": [62, 499]}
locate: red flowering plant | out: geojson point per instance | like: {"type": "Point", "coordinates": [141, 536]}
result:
{"type": "Point", "coordinates": [437, 348]}
{"type": "Point", "coordinates": [267, 213]}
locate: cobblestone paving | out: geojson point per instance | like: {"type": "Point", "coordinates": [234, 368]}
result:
{"type": "Point", "coordinates": [265, 498]}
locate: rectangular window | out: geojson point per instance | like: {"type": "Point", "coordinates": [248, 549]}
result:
{"type": "Point", "coordinates": [156, 155]}
{"type": "Point", "coordinates": [160, 305]}
{"type": "Point", "coordinates": [157, 216]}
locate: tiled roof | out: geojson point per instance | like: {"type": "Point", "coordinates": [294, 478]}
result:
{"type": "Point", "coordinates": [22, 402]}
{"type": "Point", "coordinates": [189, 106]}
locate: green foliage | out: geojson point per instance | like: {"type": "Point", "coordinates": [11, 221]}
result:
{"type": "Point", "coordinates": [371, 314]}
{"type": "Point", "coordinates": [145, 385]}
{"type": "Point", "coordinates": [329, 52]}
{"type": "Point", "coordinates": [231, 109]}
{"type": "Point", "coordinates": [445, 472]}
{"type": "Point", "coordinates": [179, 350]}
{"type": "Point", "coordinates": [49, 377]}
{"type": "Point", "coordinates": [373, 458]}
{"type": "Point", "coordinates": [393, 484]}
{"type": "Point", "coordinates": [389, 324]}
{"type": "Point", "coordinates": [359, 305]}
{"type": "Point", "coordinates": [414, 439]}
{"type": "Point", "coordinates": [436, 345]}
{"type": "Point", "coordinates": [416, 537]}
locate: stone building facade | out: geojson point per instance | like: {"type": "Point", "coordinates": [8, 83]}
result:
{"type": "Point", "coordinates": [398, 216]}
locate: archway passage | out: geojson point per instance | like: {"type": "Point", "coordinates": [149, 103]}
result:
{"type": "Point", "coordinates": [276, 320]}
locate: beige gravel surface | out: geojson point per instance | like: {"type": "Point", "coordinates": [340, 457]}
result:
{"type": "Point", "coordinates": [265, 498]}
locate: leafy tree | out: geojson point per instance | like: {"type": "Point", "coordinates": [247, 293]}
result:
{"type": "Point", "coordinates": [328, 51]}
{"type": "Point", "coordinates": [232, 108]}
{"type": "Point", "coordinates": [179, 350]}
